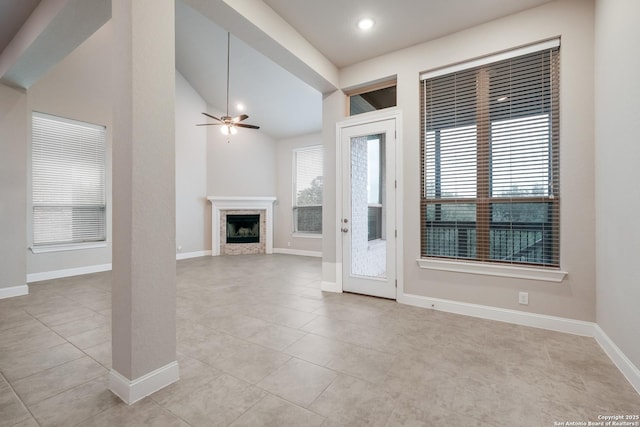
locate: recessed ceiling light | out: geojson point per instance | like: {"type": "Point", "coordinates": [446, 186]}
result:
{"type": "Point", "coordinates": [240, 106]}
{"type": "Point", "coordinates": [365, 24]}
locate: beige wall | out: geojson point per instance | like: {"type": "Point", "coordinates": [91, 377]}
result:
{"type": "Point", "coordinates": [283, 236]}
{"type": "Point", "coordinates": [13, 187]}
{"type": "Point", "coordinates": [80, 88]}
{"type": "Point", "coordinates": [244, 166]}
{"type": "Point", "coordinates": [333, 110]}
{"type": "Point", "coordinates": [193, 224]}
{"type": "Point", "coordinates": [572, 20]}
{"type": "Point", "coordinates": [617, 176]}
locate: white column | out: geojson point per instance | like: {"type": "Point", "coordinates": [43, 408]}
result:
{"type": "Point", "coordinates": [144, 260]}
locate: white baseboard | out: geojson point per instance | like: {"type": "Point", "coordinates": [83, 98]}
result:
{"type": "Point", "coordinates": [331, 287]}
{"type": "Point", "coordinates": [68, 272]}
{"type": "Point", "coordinates": [332, 273]}
{"type": "Point", "coordinates": [560, 324]}
{"type": "Point", "coordinates": [188, 255]}
{"type": "Point", "coordinates": [14, 291]}
{"type": "Point", "coordinates": [132, 391]}
{"type": "Point", "coordinates": [626, 366]}
{"type": "Point", "coordinates": [300, 252]}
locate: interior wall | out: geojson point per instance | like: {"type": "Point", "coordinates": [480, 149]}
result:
{"type": "Point", "coordinates": [573, 21]}
{"type": "Point", "coordinates": [193, 225]}
{"type": "Point", "coordinates": [283, 236]}
{"type": "Point", "coordinates": [80, 88]}
{"type": "Point", "coordinates": [617, 158]}
{"type": "Point", "coordinates": [241, 166]}
{"type": "Point", "coordinates": [333, 110]}
{"type": "Point", "coordinates": [13, 187]}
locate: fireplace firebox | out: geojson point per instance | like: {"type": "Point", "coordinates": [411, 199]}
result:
{"type": "Point", "coordinates": [243, 228]}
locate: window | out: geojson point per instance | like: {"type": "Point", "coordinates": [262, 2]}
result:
{"type": "Point", "coordinates": [490, 134]}
{"type": "Point", "coordinates": [372, 98]}
{"type": "Point", "coordinates": [307, 189]}
{"type": "Point", "coordinates": [68, 181]}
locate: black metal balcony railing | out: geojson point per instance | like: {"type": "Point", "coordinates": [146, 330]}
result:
{"type": "Point", "coordinates": [528, 243]}
{"type": "Point", "coordinates": [375, 222]}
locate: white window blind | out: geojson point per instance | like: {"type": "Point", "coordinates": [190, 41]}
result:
{"type": "Point", "coordinates": [307, 187]}
{"type": "Point", "coordinates": [68, 181]}
{"type": "Point", "coordinates": [490, 164]}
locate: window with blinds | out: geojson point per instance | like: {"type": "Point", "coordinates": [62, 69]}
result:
{"type": "Point", "coordinates": [489, 161]}
{"type": "Point", "coordinates": [68, 181]}
{"type": "Point", "coordinates": [307, 190]}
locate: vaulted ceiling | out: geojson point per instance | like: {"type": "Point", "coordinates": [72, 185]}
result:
{"type": "Point", "coordinates": [281, 103]}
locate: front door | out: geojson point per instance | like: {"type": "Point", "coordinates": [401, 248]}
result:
{"type": "Point", "coordinates": [368, 208]}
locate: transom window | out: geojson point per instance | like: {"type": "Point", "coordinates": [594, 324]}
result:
{"type": "Point", "coordinates": [372, 98]}
{"type": "Point", "coordinates": [490, 167]}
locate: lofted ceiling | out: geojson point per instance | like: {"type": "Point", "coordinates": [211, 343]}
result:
{"type": "Point", "coordinates": [276, 100]}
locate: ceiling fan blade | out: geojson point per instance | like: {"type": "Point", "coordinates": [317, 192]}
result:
{"type": "Point", "coordinates": [213, 117]}
{"type": "Point", "coordinates": [239, 118]}
{"type": "Point", "coordinates": [209, 124]}
{"type": "Point", "coordinates": [242, 125]}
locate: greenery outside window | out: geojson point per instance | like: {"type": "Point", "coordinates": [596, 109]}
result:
{"type": "Point", "coordinates": [307, 190]}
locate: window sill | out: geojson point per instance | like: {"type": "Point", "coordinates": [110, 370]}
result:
{"type": "Point", "coordinates": [67, 247]}
{"type": "Point", "coordinates": [516, 272]}
{"type": "Point", "coordinates": [308, 235]}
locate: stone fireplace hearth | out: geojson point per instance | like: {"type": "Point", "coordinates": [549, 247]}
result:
{"type": "Point", "coordinates": [221, 206]}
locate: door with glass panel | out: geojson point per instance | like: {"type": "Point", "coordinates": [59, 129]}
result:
{"type": "Point", "coordinates": [368, 208]}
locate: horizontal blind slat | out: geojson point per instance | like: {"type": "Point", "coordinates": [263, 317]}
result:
{"type": "Point", "coordinates": [68, 181]}
{"type": "Point", "coordinates": [492, 128]}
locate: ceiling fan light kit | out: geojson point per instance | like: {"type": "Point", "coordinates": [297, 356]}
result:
{"type": "Point", "coordinates": [229, 124]}
{"type": "Point", "coordinates": [228, 130]}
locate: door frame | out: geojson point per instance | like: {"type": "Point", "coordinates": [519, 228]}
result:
{"type": "Point", "coordinates": [393, 113]}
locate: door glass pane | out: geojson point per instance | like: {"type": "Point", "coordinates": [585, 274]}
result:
{"type": "Point", "coordinates": [368, 210]}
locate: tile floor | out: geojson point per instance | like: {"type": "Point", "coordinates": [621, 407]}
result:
{"type": "Point", "coordinates": [260, 344]}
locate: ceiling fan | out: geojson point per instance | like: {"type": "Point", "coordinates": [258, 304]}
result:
{"type": "Point", "coordinates": [228, 123]}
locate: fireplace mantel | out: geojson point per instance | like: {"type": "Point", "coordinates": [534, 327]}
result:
{"type": "Point", "coordinates": [221, 203]}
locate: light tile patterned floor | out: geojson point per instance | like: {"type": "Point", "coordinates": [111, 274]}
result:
{"type": "Point", "coordinates": [260, 344]}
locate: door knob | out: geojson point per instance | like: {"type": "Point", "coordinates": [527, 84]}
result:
{"type": "Point", "coordinates": [344, 230]}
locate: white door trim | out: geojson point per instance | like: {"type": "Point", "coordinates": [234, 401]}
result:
{"type": "Point", "coordinates": [375, 116]}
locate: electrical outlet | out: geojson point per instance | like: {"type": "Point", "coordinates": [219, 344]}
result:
{"type": "Point", "coordinates": [523, 298]}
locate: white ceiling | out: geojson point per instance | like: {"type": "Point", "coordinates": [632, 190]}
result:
{"type": "Point", "coordinates": [330, 25]}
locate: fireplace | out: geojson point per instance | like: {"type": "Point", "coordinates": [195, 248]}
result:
{"type": "Point", "coordinates": [258, 207]}
{"type": "Point", "coordinates": [243, 229]}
